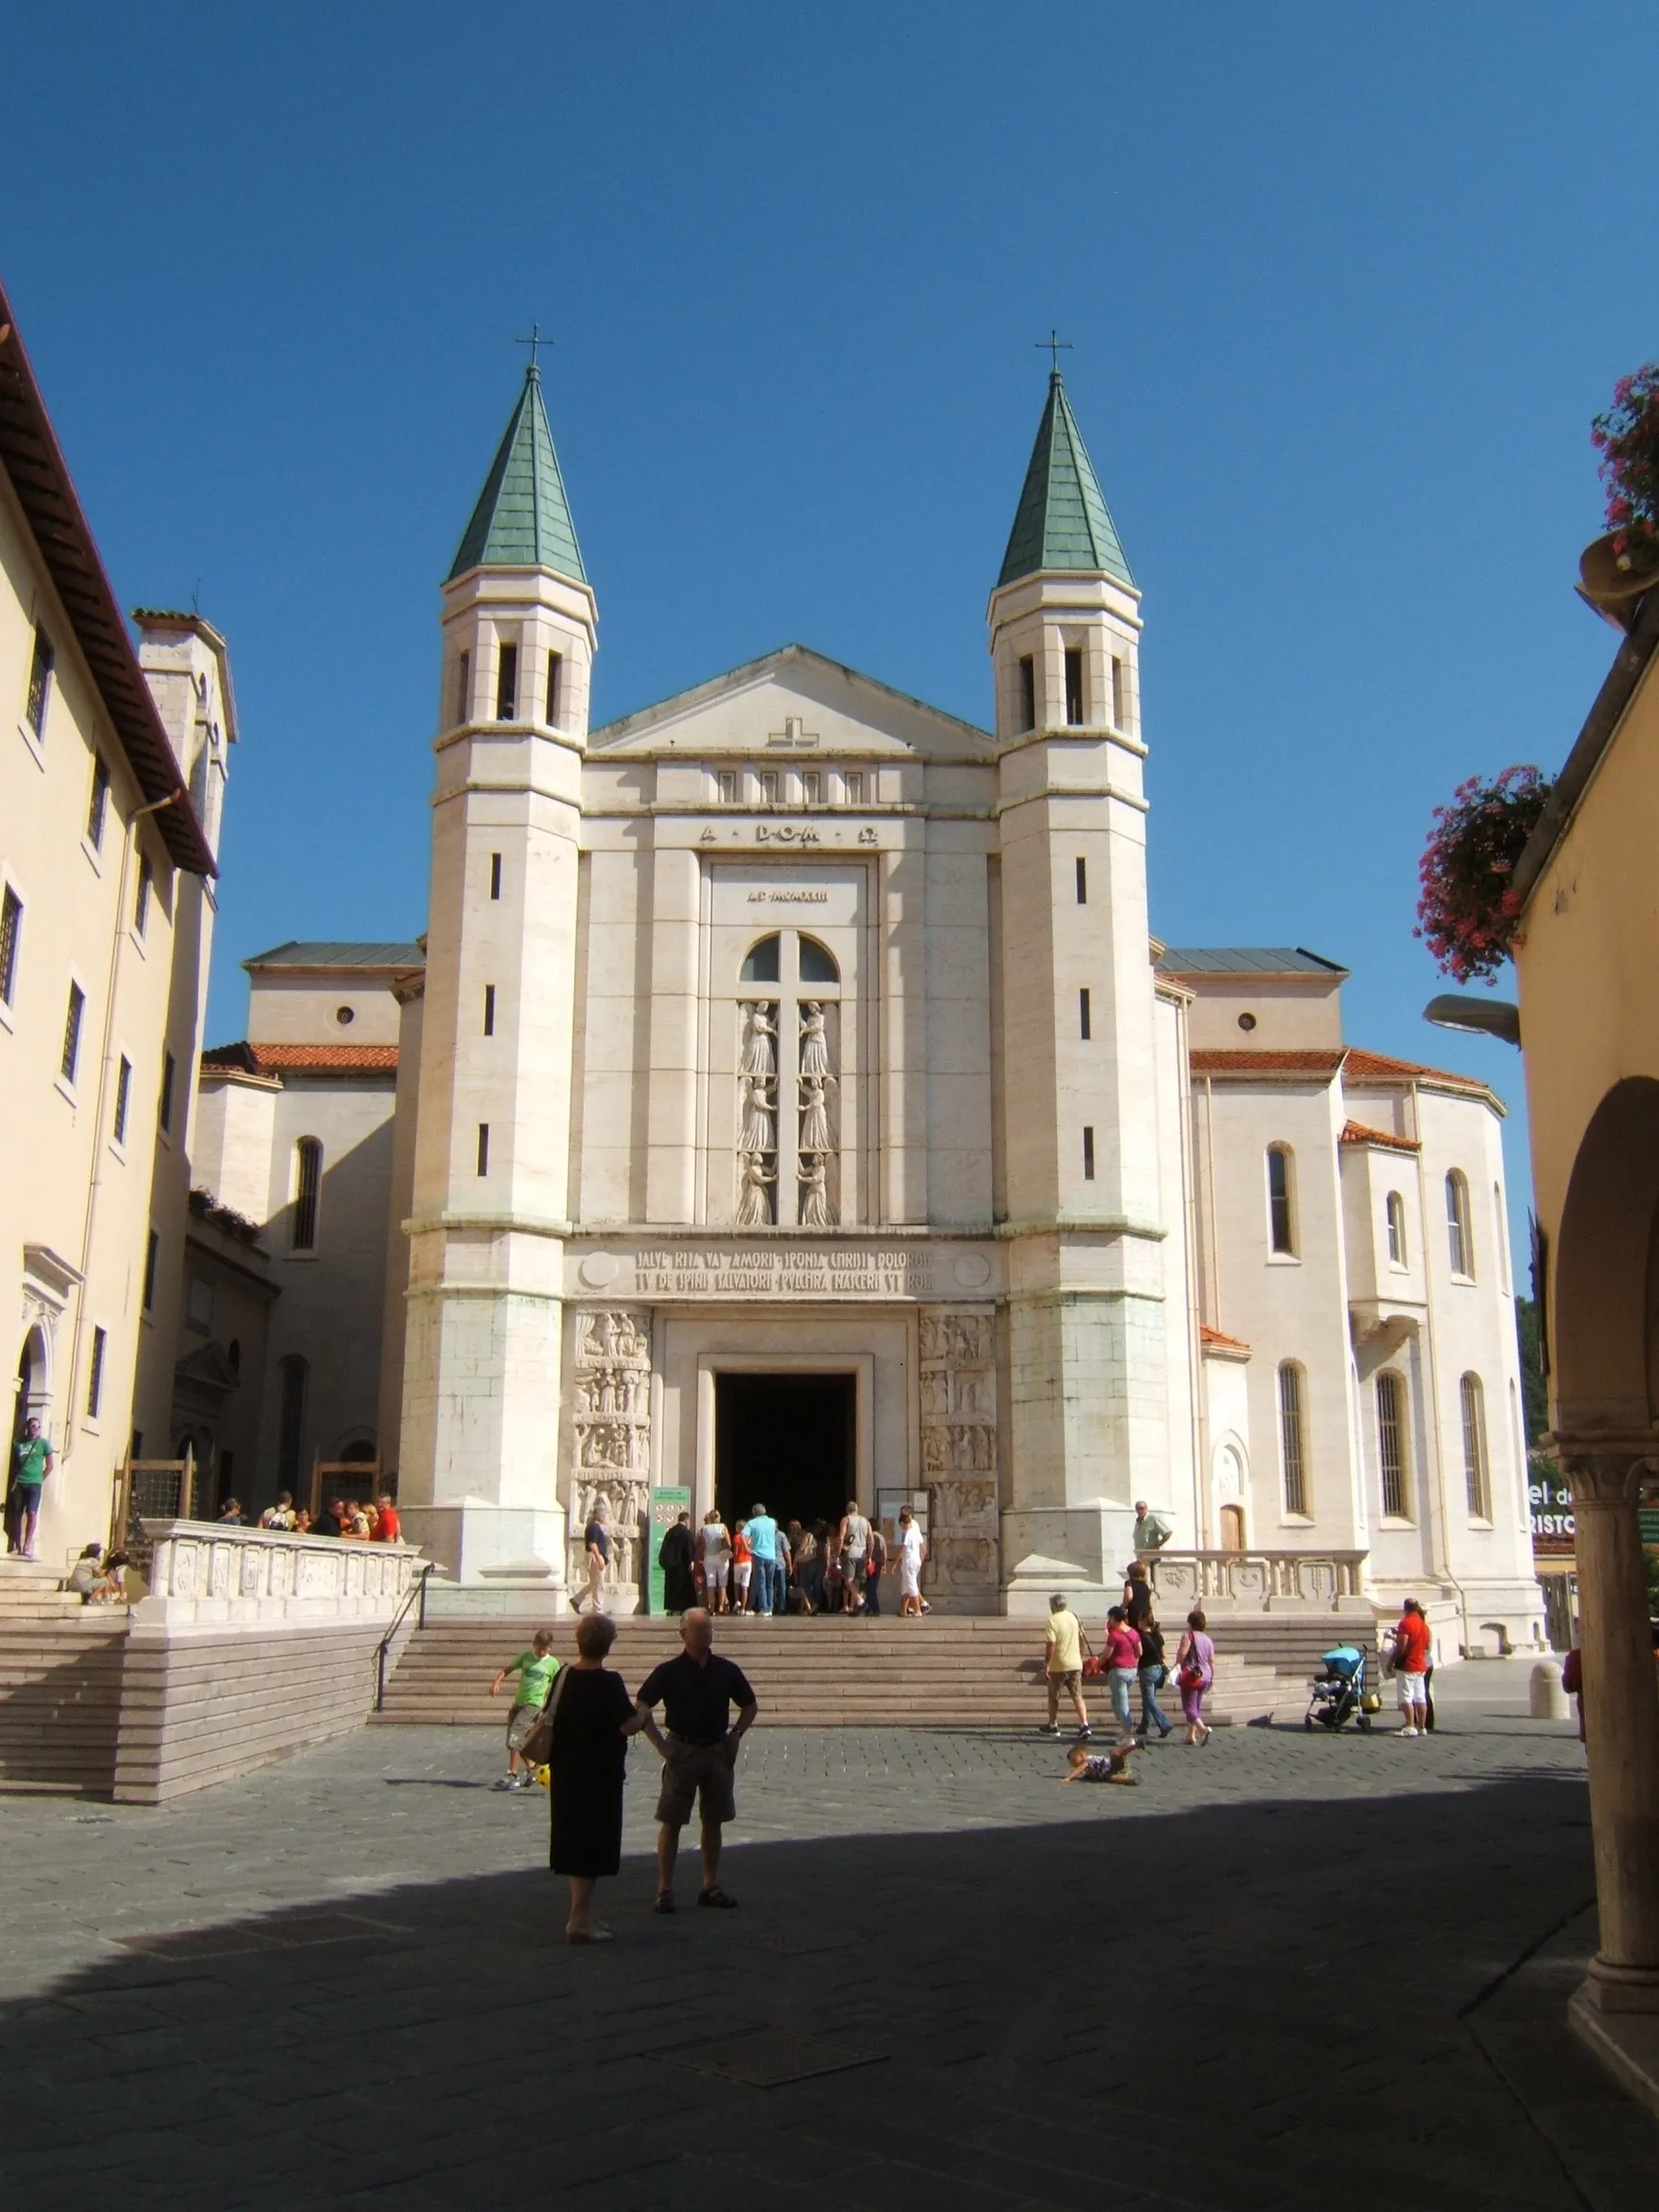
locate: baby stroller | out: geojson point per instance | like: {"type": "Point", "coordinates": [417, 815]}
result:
{"type": "Point", "coordinates": [1339, 1691]}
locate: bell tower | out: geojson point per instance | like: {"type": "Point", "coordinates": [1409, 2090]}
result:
{"type": "Point", "coordinates": [481, 1391]}
{"type": "Point", "coordinates": [1082, 1211]}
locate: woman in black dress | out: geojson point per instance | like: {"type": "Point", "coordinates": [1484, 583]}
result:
{"type": "Point", "coordinates": [592, 1717]}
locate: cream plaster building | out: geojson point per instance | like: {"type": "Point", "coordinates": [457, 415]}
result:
{"type": "Point", "coordinates": [112, 769]}
{"type": "Point", "coordinates": [793, 1104]}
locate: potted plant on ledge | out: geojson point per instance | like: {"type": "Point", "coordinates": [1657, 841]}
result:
{"type": "Point", "coordinates": [1469, 907]}
{"type": "Point", "coordinates": [1622, 566]}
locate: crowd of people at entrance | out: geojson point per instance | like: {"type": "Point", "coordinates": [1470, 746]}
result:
{"type": "Point", "coordinates": [761, 1564]}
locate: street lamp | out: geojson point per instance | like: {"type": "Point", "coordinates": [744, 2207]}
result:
{"type": "Point", "coordinates": [1483, 1016]}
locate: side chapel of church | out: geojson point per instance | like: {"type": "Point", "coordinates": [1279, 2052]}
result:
{"type": "Point", "coordinates": [792, 1103]}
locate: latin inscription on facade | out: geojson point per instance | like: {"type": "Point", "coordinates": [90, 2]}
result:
{"type": "Point", "coordinates": [783, 1271]}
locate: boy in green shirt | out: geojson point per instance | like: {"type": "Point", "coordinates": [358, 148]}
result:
{"type": "Point", "coordinates": [32, 1462]}
{"type": "Point", "coordinates": [535, 1670]}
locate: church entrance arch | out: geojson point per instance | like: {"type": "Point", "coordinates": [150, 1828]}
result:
{"type": "Point", "coordinates": [786, 1440]}
{"type": "Point", "coordinates": [34, 1393]}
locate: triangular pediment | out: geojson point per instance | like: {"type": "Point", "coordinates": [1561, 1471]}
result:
{"type": "Point", "coordinates": [208, 1368]}
{"type": "Point", "coordinates": [793, 703]}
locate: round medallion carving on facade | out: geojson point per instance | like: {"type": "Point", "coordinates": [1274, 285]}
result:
{"type": "Point", "coordinates": [598, 1269]}
{"type": "Point", "coordinates": [973, 1269]}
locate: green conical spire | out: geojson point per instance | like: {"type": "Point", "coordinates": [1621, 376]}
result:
{"type": "Point", "coordinates": [522, 519]}
{"type": "Point", "coordinates": [1063, 521]}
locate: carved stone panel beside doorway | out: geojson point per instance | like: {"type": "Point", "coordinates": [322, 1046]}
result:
{"type": "Point", "coordinates": [959, 1386]}
{"type": "Point", "coordinates": [611, 1437]}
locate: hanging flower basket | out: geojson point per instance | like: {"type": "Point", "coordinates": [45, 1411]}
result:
{"type": "Point", "coordinates": [1469, 906]}
{"type": "Point", "coordinates": [1618, 568]}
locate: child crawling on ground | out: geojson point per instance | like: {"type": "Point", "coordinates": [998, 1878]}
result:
{"type": "Point", "coordinates": [1085, 1765]}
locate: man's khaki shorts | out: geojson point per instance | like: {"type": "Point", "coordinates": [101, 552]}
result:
{"type": "Point", "coordinates": [1071, 1681]}
{"type": "Point", "coordinates": [696, 1772]}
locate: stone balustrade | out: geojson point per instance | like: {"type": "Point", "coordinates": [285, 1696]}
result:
{"type": "Point", "coordinates": [1258, 1581]}
{"type": "Point", "coordinates": [208, 1571]}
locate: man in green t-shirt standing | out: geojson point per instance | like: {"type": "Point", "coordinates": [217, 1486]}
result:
{"type": "Point", "coordinates": [32, 1462]}
{"type": "Point", "coordinates": [535, 1670]}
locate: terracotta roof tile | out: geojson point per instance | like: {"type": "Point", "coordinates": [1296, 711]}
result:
{"type": "Point", "coordinates": [1259, 1061]}
{"type": "Point", "coordinates": [1213, 1340]}
{"type": "Point", "coordinates": [1357, 1133]}
{"type": "Point", "coordinates": [304, 1059]}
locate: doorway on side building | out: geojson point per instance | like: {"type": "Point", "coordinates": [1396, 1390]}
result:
{"type": "Point", "coordinates": [1232, 1527]}
{"type": "Point", "coordinates": [786, 1440]}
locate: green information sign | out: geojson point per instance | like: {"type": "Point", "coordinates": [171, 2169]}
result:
{"type": "Point", "coordinates": [1647, 1516]}
{"type": "Point", "coordinates": [666, 1507]}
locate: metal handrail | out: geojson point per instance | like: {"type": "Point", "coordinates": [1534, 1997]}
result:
{"type": "Point", "coordinates": [417, 1591]}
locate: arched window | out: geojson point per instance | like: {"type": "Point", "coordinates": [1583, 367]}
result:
{"type": "Point", "coordinates": [291, 1421]}
{"type": "Point", "coordinates": [308, 1189]}
{"type": "Point", "coordinates": [1281, 1200]}
{"type": "Point", "coordinates": [1395, 1210]}
{"type": "Point", "coordinates": [761, 965]}
{"type": "Point", "coordinates": [1392, 1446]}
{"type": "Point", "coordinates": [818, 963]}
{"type": "Point", "coordinates": [1292, 1445]}
{"type": "Point", "coordinates": [1471, 1401]}
{"type": "Point", "coordinates": [1459, 1239]}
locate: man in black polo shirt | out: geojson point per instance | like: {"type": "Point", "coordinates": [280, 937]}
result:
{"type": "Point", "coordinates": [697, 1692]}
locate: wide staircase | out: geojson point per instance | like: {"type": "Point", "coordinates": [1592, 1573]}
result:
{"type": "Point", "coordinates": [59, 1685]}
{"type": "Point", "coordinates": [834, 1673]}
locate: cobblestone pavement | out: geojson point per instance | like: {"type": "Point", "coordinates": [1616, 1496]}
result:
{"type": "Point", "coordinates": [1289, 1972]}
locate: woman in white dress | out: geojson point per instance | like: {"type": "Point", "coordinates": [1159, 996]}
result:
{"type": "Point", "coordinates": [757, 1047]}
{"type": "Point", "coordinates": [814, 1115]}
{"type": "Point", "coordinates": [814, 1045]}
{"type": "Point", "coordinates": [716, 1547]}
{"type": "Point", "coordinates": [912, 1551]}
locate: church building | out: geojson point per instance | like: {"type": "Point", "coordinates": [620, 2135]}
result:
{"type": "Point", "coordinates": [792, 1103]}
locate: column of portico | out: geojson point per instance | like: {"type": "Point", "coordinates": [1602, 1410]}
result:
{"type": "Point", "coordinates": [1620, 1715]}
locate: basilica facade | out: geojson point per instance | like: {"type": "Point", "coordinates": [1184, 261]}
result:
{"type": "Point", "coordinates": [793, 1104]}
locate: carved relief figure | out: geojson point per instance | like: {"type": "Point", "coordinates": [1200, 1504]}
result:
{"type": "Point", "coordinates": [757, 1134]}
{"type": "Point", "coordinates": [958, 1388]}
{"type": "Point", "coordinates": [814, 1114]}
{"type": "Point", "coordinates": [814, 1044]}
{"type": "Point", "coordinates": [754, 1197]}
{"type": "Point", "coordinates": [815, 1212]}
{"type": "Point", "coordinates": [759, 1044]}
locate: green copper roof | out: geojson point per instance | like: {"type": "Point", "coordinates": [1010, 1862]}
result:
{"type": "Point", "coordinates": [522, 519]}
{"type": "Point", "coordinates": [1063, 521]}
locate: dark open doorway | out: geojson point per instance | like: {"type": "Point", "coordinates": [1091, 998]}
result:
{"type": "Point", "coordinates": [786, 1440]}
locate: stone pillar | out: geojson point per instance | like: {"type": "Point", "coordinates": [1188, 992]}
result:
{"type": "Point", "coordinates": [1620, 1715]}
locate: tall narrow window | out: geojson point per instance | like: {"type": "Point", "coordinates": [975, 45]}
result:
{"type": "Point", "coordinates": [853, 785]}
{"type": "Point", "coordinates": [769, 787]}
{"type": "Point", "coordinates": [483, 1148]}
{"type": "Point", "coordinates": [291, 1421]}
{"type": "Point", "coordinates": [98, 806]}
{"type": "Point", "coordinates": [141, 903]}
{"type": "Point", "coordinates": [1391, 1445]}
{"type": "Point", "coordinates": [1395, 1213]}
{"type": "Point", "coordinates": [1075, 684]}
{"type": "Point", "coordinates": [1471, 1400]}
{"type": "Point", "coordinates": [494, 875]}
{"type": "Point", "coordinates": [40, 683]}
{"type": "Point", "coordinates": [164, 1114]}
{"type": "Point", "coordinates": [811, 787]}
{"type": "Point", "coordinates": [1088, 1155]}
{"type": "Point", "coordinates": [488, 1009]}
{"type": "Point", "coordinates": [1281, 1200]}
{"type": "Point", "coordinates": [506, 683]}
{"type": "Point", "coordinates": [1028, 692]}
{"type": "Point", "coordinates": [727, 786]}
{"type": "Point", "coordinates": [1083, 1029]}
{"type": "Point", "coordinates": [307, 1191]}
{"type": "Point", "coordinates": [1118, 700]}
{"type": "Point", "coordinates": [463, 687]}
{"type": "Point", "coordinates": [152, 1254]}
{"type": "Point", "coordinates": [1459, 1241]}
{"type": "Point", "coordinates": [11, 938]}
{"type": "Point", "coordinates": [123, 1098]}
{"type": "Point", "coordinates": [95, 1374]}
{"type": "Point", "coordinates": [555, 671]}
{"type": "Point", "coordinates": [1291, 1447]}
{"type": "Point", "coordinates": [1082, 882]}
{"type": "Point", "coordinates": [72, 1020]}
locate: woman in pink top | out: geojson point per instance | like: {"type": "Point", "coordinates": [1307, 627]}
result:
{"type": "Point", "coordinates": [1122, 1657]}
{"type": "Point", "coordinates": [1195, 1672]}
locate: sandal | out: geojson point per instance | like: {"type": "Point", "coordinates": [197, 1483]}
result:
{"type": "Point", "coordinates": [664, 1901]}
{"type": "Point", "coordinates": [596, 1935]}
{"type": "Point", "coordinates": [718, 1898]}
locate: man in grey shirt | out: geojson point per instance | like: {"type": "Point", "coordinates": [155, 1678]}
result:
{"type": "Point", "coordinates": [1151, 1531]}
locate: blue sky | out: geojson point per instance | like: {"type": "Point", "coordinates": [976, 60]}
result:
{"type": "Point", "coordinates": [1344, 287]}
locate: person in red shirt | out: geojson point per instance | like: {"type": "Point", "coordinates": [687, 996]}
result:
{"type": "Point", "coordinates": [386, 1530]}
{"type": "Point", "coordinates": [1122, 1657]}
{"type": "Point", "coordinates": [1410, 1645]}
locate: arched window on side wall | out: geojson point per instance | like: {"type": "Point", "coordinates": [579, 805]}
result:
{"type": "Point", "coordinates": [1293, 1439]}
{"type": "Point", "coordinates": [761, 964]}
{"type": "Point", "coordinates": [1459, 1239]}
{"type": "Point", "coordinates": [291, 1421]}
{"type": "Point", "coordinates": [307, 1191]}
{"type": "Point", "coordinates": [1478, 1487]}
{"type": "Point", "coordinates": [1281, 1200]}
{"type": "Point", "coordinates": [1396, 1217]}
{"type": "Point", "coordinates": [1391, 1465]}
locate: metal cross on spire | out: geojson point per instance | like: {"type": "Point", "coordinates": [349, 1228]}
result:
{"type": "Point", "coordinates": [1055, 346]}
{"type": "Point", "coordinates": [536, 341]}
